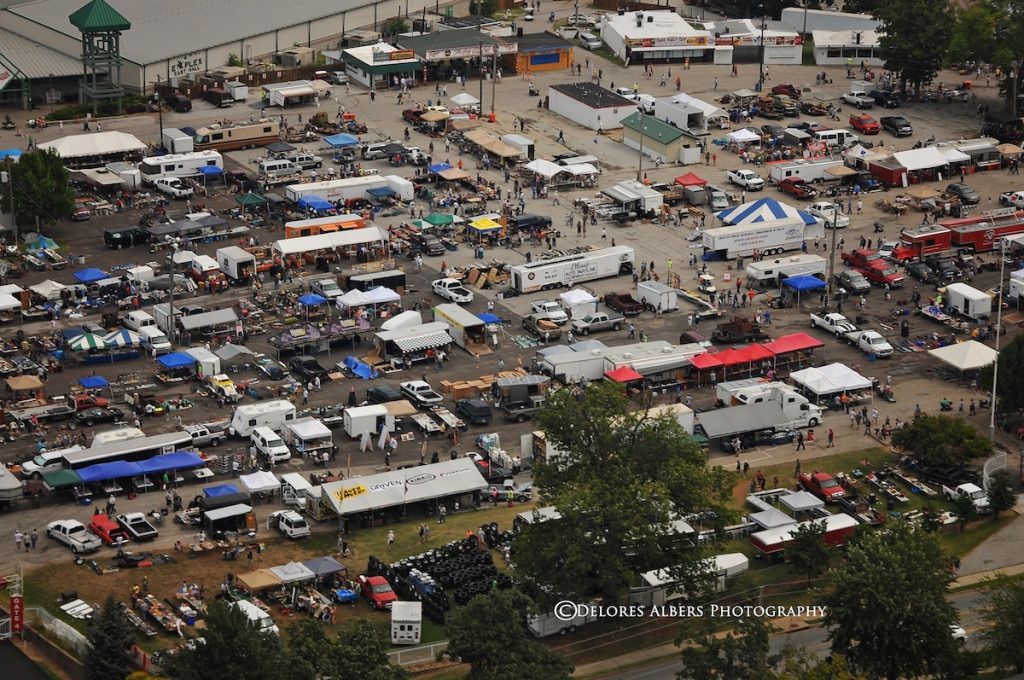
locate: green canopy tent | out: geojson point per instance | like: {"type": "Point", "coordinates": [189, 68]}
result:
{"type": "Point", "coordinates": [61, 479]}
{"type": "Point", "coordinates": [252, 201]}
{"type": "Point", "coordinates": [439, 220]}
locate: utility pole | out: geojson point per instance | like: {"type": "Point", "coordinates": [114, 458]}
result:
{"type": "Point", "coordinates": [640, 161]}
{"type": "Point", "coordinates": [8, 178]}
{"type": "Point", "coordinates": [480, 67]}
{"type": "Point", "coordinates": [831, 258]}
{"type": "Point", "coordinates": [761, 78]}
{"type": "Point", "coordinates": [999, 322]}
{"type": "Point", "coordinates": [159, 112]}
{"type": "Point", "coordinates": [494, 78]}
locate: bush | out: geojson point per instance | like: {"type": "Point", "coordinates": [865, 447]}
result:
{"type": "Point", "coordinates": [66, 113]}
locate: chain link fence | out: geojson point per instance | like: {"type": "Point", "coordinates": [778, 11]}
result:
{"type": "Point", "coordinates": [992, 466]}
{"type": "Point", "coordinates": [50, 626]}
{"type": "Point", "coordinates": [414, 655]}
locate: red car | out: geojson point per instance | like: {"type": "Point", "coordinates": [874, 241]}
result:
{"type": "Point", "coordinates": [377, 591]}
{"type": "Point", "coordinates": [862, 257]}
{"type": "Point", "coordinates": [797, 188]}
{"type": "Point", "coordinates": [107, 529]}
{"type": "Point", "coordinates": [786, 89]}
{"type": "Point", "coordinates": [823, 485]}
{"type": "Point", "coordinates": [882, 273]}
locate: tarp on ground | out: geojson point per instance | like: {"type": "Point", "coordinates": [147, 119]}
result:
{"type": "Point", "coordinates": [293, 572]}
{"type": "Point", "coordinates": [341, 140]}
{"type": "Point", "coordinates": [93, 382]}
{"type": "Point", "coordinates": [90, 275]}
{"type": "Point", "coordinates": [412, 485]}
{"type": "Point", "coordinates": [324, 566]}
{"type": "Point", "coordinates": [965, 356]}
{"type": "Point", "coordinates": [178, 460]}
{"type": "Point", "coordinates": [175, 360]}
{"type": "Point", "coordinates": [623, 374]}
{"type": "Point", "coordinates": [220, 490]}
{"type": "Point", "coordinates": [360, 369]}
{"type": "Point", "coordinates": [113, 470]}
{"type": "Point", "coordinates": [260, 481]}
{"type": "Point", "coordinates": [261, 579]}
{"type": "Point", "coordinates": [691, 180]}
{"type": "Point", "coordinates": [803, 283]}
{"type": "Point", "coordinates": [794, 342]}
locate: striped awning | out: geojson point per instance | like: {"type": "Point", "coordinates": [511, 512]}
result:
{"type": "Point", "coordinates": [417, 343]}
{"type": "Point", "coordinates": [87, 341]}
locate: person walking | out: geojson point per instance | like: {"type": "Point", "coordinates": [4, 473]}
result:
{"type": "Point", "coordinates": [831, 439]}
{"type": "Point", "coordinates": [35, 538]}
{"type": "Point", "coordinates": [442, 514]}
{"type": "Point", "coordinates": [800, 442]}
{"type": "Point", "coordinates": [18, 538]}
{"type": "Point", "coordinates": [391, 537]}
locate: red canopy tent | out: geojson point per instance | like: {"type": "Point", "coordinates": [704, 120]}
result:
{"type": "Point", "coordinates": [731, 357]}
{"type": "Point", "coordinates": [758, 353]}
{"type": "Point", "coordinates": [623, 374]}
{"type": "Point", "coordinates": [691, 180]}
{"type": "Point", "coordinates": [794, 342]}
{"type": "Point", "coordinates": [703, 361]}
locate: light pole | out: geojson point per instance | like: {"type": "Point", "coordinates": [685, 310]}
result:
{"type": "Point", "coordinates": [7, 176]}
{"type": "Point", "coordinates": [49, 92]}
{"type": "Point", "coordinates": [494, 79]}
{"type": "Point", "coordinates": [764, 23]}
{"type": "Point", "coordinates": [640, 159]}
{"type": "Point", "coordinates": [831, 258]}
{"type": "Point", "coordinates": [159, 111]}
{"type": "Point", "coordinates": [999, 322]}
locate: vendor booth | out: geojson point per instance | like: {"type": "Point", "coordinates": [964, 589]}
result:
{"type": "Point", "coordinates": [830, 380]}
{"type": "Point", "coordinates": [409, 345]}
{"type": "Point", "coordinates": [308, 437]}
{"type": "Point", "coordinates": [229, 519]}
{"type": "Point", "coordinates": [260, 481]}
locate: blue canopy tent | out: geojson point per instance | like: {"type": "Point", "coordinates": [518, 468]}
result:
{"type": "Point", "coordinates": [91, 275]}
{"type": "Point", "coordinates": [43, 243]}
{"type": "Point", "coordinates": [801, 284]}
{"type": "Point", "coordinates": [176, 360]}
{"type": "Point", "coordinates": [220, 490]}
{"type": "Point", "coordinates": [381, 193]}
{"type": "Point", "coordinates": [93, 382]}
{"type": "Point", "coordinates": [116, 469]}
{"type": "Point", "coordinates": [315, 203]}
{"type": "Point", "coordinates": [13, 154]}
{"type": "Point", "coordinates": [341, 140]}
{"type": "Point", "coordinates": [488, 318]}
{"type": "Point", "coordinates": [438, 168]}
{"type": "Point", "coordinates": [360, 369]}
{"type": "Point", "coordinates": [312, 300]}
{"type": "Point", "coordinates": [179, 460]}
{"type": "Point", "coordinates": [209, 171]}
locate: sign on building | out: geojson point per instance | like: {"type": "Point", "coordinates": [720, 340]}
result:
{"type": "Point", "coordinates": [187, 65]}
{"type": "Point", "coordinates": [470, 52]}
{"type": "Point", "coordinates": [5, 77]}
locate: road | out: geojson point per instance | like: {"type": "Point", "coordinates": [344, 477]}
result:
{"type": "Point", "coordinates": [814, 639]}
{"type": "Point", "coordinates": [17, 665]}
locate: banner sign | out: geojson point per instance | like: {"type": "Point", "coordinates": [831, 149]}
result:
{"type": "Point", "coordinates": [17, 614]}
{"type": "Point", "coordinates": [693, 41]}
{"type": "Point", "coordinates": [470, 52]}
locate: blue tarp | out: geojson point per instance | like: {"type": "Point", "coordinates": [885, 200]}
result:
{"type": "Point", "coordinates": [341, 140]}
{"type": "Point", "coordinates": [179, 460]}
{"type": "Point", "coordinates": [10, 153]}
{"type": "Point", "coordinates": [90, 275]}
{"type": "Point", "coordinates": [315, 203]}
{"type": "Point", "coordinates": [43, 243]}
{"type": "Point", "coordinates": [176, 360]}
{"type": "Point", "coordinates": [210, 170]}
{"type": "Point", "coordinates": [93, 382]}
{"type": "Point", "coordinates": [312, 300]}
{"type": "Point", "coordinates": [220, 490]}
{"type": "Point", "coordinates": [803, 283]}
{"type": "Point", "coordinates": [439, 167]}
{"type": "Point", "coordinates": [488, 318]}
{"type": "Point", "coordinates": [381, 192]}
{"type": "Point", "coordinates": [112, 470]}
{"type": "Point", "coordinates": [360, 369]}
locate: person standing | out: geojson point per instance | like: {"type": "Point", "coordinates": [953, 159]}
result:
{"type": "Point", "coordinates": [391, 537]}
{"type": "Point", "coordinates": [18, 538]}
{"type": "Point", "coordinates": [35, 538]}
{"type": "Point", "coordinates": [442, 513]}
{"type": "Point", "coordinates": [800, 442]}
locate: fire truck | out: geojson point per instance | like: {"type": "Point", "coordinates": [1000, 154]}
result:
{"type": "Point", "coordinates": [976, 234]}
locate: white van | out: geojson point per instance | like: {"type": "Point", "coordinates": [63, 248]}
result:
{"type": "Point", "coordinates": [277, 167]}
{"type": "Point", "coordinates": [837, 138]}
{"type": "Point", "coordinates": [590, 41]}
{"type": "Point", "coordinates": [138, 320]}
{"type": "Point", "coordinates": [153, 339]}
{"type": "Point", "coordinates": [273, 414]}
{"type": "Point", "coordinates": [269, 445]}
{"type": "Point", "coordinates": [257, 617]}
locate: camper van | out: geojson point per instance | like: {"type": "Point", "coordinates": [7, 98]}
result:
{"type": "Point", "coordinates": [178, 165]}
{"type": "Point", "coordinates": [843, 139]}
{"type": "Point", "coordinates": [273, 414]}
{"type": "Point", "coordinates": [276, 169]}
{"type": "Point", "coordinates": [138, 320]}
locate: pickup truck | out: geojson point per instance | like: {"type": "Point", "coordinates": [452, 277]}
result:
{"type": "Point", "coordinates": [543, 328]}
{"type": "Point", "coordinates": [173, 187]}
{"type": "Point", "coordinates": [451, 289]}
{"type": "Point", "coordinates": [56, 409]}
{"type": "Point", "coordinates": [870, 342]}
{"type": "Point", "coordinates": [420, 393]}
{"type": "Point", "coordinates": [748, 179]}
{"type": "Point", "coordinates": [623, 303]}
{"type": "Point", "coordinates": [521, 411]}
{"type": "Point", "coordinates": [862, 122]}
{"type": "Point", "coordinates": [377, 591]}
{"type": "Point", "coordinates": [897, 126]}
{"type": "Point", "coordinates": [882, 274]}
{"type": "Point", "coordinates": [137, 526]}
{"type": "Point", "coordinates": [208, 434]}
{"type": "Point", "coordinates": [289, 523]}
{"type": "Point", "coordinates": [597, 322]}
{"type": "Point", "coordinates": [859, 99]}
{"type": "Point", "coordinates": [860, 258]}
{"type": "Point", "coordinates": [972, 491]}
{"type": "Point", "coordinates": [74, 535]}
{"type": "Point", "coordinates": [836, 324]}
{"type": "Point", "coordinates": [107, 529]}
{"type": "Point", "coordinates": [550, 310]}
{"type": "Point", "coordinates": [823, 485]}
{"type": "Point", "coordinates": [223, 386]}
{"type": "Point", "coordinates": [852, 281]}
{"type": "Point", "coordinates": [1012, 198]}
{"type": "Point", "coordinates": [829, 214]}
{"type": "Point", "coordinates": [797, 188]}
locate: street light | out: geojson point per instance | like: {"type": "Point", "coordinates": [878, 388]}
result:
{"type": "Point", "coordinates": [159, 111]}
{"type": "Point", "coordinates": [999, 322]}
{"type": "Point", "coordinates": [49, 93]}
{"type": "Point", "coordinates": [640, 161]}
{"type": "Point", "coordinates": [831, 257]}
{"type": "Point", "coordinates": [764, 24]}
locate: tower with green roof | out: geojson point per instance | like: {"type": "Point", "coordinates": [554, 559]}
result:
{"type": "Point", "coordinates": [101, 26]}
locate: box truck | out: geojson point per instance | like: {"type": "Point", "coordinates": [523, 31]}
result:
{"type": "Point", "coordinates": [362, 420]}
{"type": "Point", "coordinates": [657, 297]}
{"type": "Point", "coordinates": [239, 92]}
{"type": "Point", "coordinates": [467, 329]}
{"type": "Point", "coordinates": [237, 264]}
{"type": "Point", "coordinates": [780, 410]}
{"type": "Point", "coordinates": [742, 240]}
{"type": "Point", "coordinates": [569, 270]}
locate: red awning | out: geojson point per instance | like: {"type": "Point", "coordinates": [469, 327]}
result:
{"type": "Point", "coordinates": [731, 357]}
{"type": "Point", "coordinates": [703, 361]}
{"type": "Point", "coordinates": [758, 353]}
{"type": "Point", "coordinates": [794, 342]}
{"type": "Point", "coordinates": [691, 180]}
{"type": "Point", "coordinates": [623, 374]}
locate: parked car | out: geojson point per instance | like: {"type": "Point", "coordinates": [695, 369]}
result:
{"type": "Point", "coordinates": [897, 125]}
{"type": "Point", "coordinates": [853, 281]}
{"type": "Point", "coordinates": [885, 99]}
{"type": "Point", "coordinates": [862, 122]}
{"type": "Point", "coordinates": [474, 411]}
{"type": "Point", "coordinates": [759, 438]}
{"type": "Point", "coordinates": [859, 99]}
{"type": "Point", "coordinates": [173, 187]}
{"type": "Point", "coordinates": [382, 394]}
{"type": "Point", "coordinates": [427, 243]}
{"type": "Point", "coordinates": [307, 367]}
{"type": "Point", "coordinates": [453, 290]}
{"type": "Point", "coordinates": [883, 275]}
{"type": "Point", "coordinates": [829, 214]}
{"type": "Point", "coordinates": [377, 591]}
{"type": "Point", "coordinates": [289, 523]}
{"type": "Point", "coordinates": [920, 271]}
{"type": "Point", "coordinates": [787, 89]}
{"type": "Point", "coordinates": [108, 530]}
{"type": "Point", "coordinates": [271, 368]}
{"type": "Point", "coordinates": [550, 310]}
{"type": "Point", "coordinates": [748, 179]}
{"type": "Point", "coordinates": [797, 188]}
{"type": "Point", "coordinates": [421, 393]}
{"type": "Point", "coordinates": [964, 192]}
{"type": "Point", "coordinates": [137, 526]}
{"type": "Point", "coordinates": [91, 416]}
{"type": "Point", "coordinates": [944, 270]}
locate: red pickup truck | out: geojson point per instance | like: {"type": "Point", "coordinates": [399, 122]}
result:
{"type": "Point", "coordinates": [861, 258]}
{"type": "Point", "coordinates": [107, 529]}
{"type": "Point", "coordinates": [623, 303]}
{"type": "Point", "coordinates": [862, 122]}
{"type": "Point", "coordinates": [797, 188]}
{"type": "Point", "coordinates": [882, 273]}
{"type": "Point", "coordinates": [823, 485]}
{"type": "Point", "coordinates": [377, 591]}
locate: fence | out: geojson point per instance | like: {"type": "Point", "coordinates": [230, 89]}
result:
{"type": "Point", "coordinates": [414, 655]}
{"type": "Point", "coordinates": [68, 638]}
{"type": "Point", "coordinates": [992, 466]}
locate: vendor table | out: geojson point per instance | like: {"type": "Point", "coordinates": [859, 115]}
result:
{"type": "Point", "coordinates": [449, 418]}
{"type": "Point", "coordinates": [425, 423]}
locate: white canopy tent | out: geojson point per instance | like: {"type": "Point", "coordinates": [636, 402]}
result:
{"type": "Point", "coordinates": [353, 298]}
{"type": "Point", "coordinates": [953, 155]}
{"type": "Point", "coordinates": [382, 295]}
{"type": "Point", "coordinates": [965, 356]}
{"type": "Point", "coordinates": [11, 289]}
{"type": "Point", "coordinates": [744, 136]}
{"type": "Point", "coordinates": [858, 152]}
{"type": "Point", "coordinates": [398, 487]}
{"type": "Point", "coordinates": [309, 428]}
{"type": "Point", "coordinates": [8, 302]}
{"type": "Point", "coordinates": [464, 99]}
{"type": "Point", "coordinates": [545, 169]}
{"type": "Point", "coordinates": [293, 572]}
{"type": "Point", "coordinates": [576, 296]}
{"type": "Point", "coordinates": [48, 289]}
{"type": "Point", "coordinates": [94, 144]}
{"type": "Point", "coordinates": [831, 379]}
{"type": "Point", "coordinates": [920, 159]}
{"type": "Point", "coordinates": [581, 169]}
{"type": "Point", "coordinates": [260, 481]}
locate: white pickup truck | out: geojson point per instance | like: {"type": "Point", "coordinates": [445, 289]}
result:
{"type": "Point", "coordinates": [173, 187]}
{"type": "Point", "coordinates": [452, 289]}
{"type": "Point", "coordinates": [74, 535]}
{"type": "Point", "coordinates": [978, 497]}
{"type": "Point", "coordinates": [835, 323]}
{"type": "Point", "coordinates": [550, 310]}
{"type": "Point", "coordinates": [1012, 198]}
{"type": "Point", "coordinates": [870, 342]}
{"type": "Point", "coordinates": [748, 179]}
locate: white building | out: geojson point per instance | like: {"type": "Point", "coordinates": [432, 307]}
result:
{"type": "Point", "coordinates": [810, 20]}
{"type": "Point", "coordinates": [653, 36]}
{"type": "Point", "coordinates": [590, 105]}
{"type": "Point", "coordinates": [689, 113]}
{"type": "Point", "coordinates": [739, 40]}
{"type": "Point", "coordinates": [839, 48]}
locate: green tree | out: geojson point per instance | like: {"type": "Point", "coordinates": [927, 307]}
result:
{"type": "Point", "coordinates": [1003, 613]}
{"type": "Point", "coordinates": [308, 650]}
{"type": "Point", "coordinates": [361, 651]}
{"type": "Point", "coordinates": [620, 479]}
{"type": "Point", "coordinates": [808, 554]}
{"type": "Point", "coordinates": [1009, 395]}
{"type": "Point", "coordinates": [964, 510]}
{"type": "Point", "coordinates": [111, 637]}
{"type": "Point", "coordinates": [233, 650]}
{"type": "Point", "coordinates": [914, 49]}
{"type": "Point", "coordinates": [930, 520]}
{"type": "Point", "coordinates": [484, 8]}
{"type": "Point", "coordinates": [234, 60]}
{"type": "Point", "coordinates": [42, 193]}
{"type": "Point", "coordinates": [860, 6]}
{"type": "Point", "coordinates": [1000, 492]}
{"type": "Point", "coordinates": [490, 634]}
{"type": "Point", "coordinates": [741, 654]}
{"type": "Point", "coordinates": [395, 25]}
{"type": "Point", "coordinates": [798, 663]}
{"type": "Point", "coordinates": [1002, 24]}
{"type": "Point", "coordinates": [887, 613]}
{"type": "Point", "coordinates": [942, 439]}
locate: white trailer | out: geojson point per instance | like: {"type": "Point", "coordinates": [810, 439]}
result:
{"type": "Point", "coordinates": [968, 301]}
{"type": "Point", "coordinates": [767, 238]}
{"type": "Point", "coordinates": [273, 414]}
{"type": "Point", "coordinates": [466, 328]}
{"type": "Point", "coordinates": [658, 585]}
{"type": "Point", "coordinates": [807, 170]}
{"type": "Point", "coordinates": [237, 263]}
{"type": "Point", "coordinates": [349, 188]}
{"type": "Point", "coordinates": [569, 367]}
{"type": "Point", "coordinates": [568, 270]}
{"type": "Point", "coordinates": [207, 363]}
{"type": "Point", "coordinates": [1016, 290]}
{"type": "Point", "coordinates": [238, 91]}
{"type": "Point", "coordinates": [178, 165]}
{"type": "Point", "coordinates": [402, 187]}
{"type": "Point", "coordinates": [769, 273]}
{"type": "Point", "coordinates": [176, 141]}
{"type": "Point", "coordinates": [363, 420]}
{"type": "Point", "coordinates": [658, 361]}
{"type": "Point", "coordinates": [656, 296]}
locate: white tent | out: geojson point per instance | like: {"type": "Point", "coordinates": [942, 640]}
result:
{"type": "Point", "coordinates": [94, 144]}
{"type": "Point", "coordinates": [8, 302]}
{"type": "Point", "coordinates": [382, 295]}
{"type": "Point", "coordinates": [11, 289]}
{"type": "Point", "coordinates": [260, 481]}
{"type": "Point", "coordinates": [545, 169]}
{"type": "Point", "coordinates": [464, 99]}
{"type": "Point", "coordinates": [860, 153]}
{"type": "Point", "coordinates": [353, 298]}
{"type": "Point", "coordinates": [48, 289]}
{"type": "Point", "coordinates": [831, 379]}
{"type": "Point", "coordinates": [388, 489]}
{"type": "Point", "coordinates": [953, 155]}
{"type": "Point", "coordinates": [406, 319]}
{"type": "Point", "coordinates": [580, 169]}
{"type": "Point", "coordinates": [920, 159]}
{"type": "Point", "coordinates": [965, 356]}
{"type": "Point", "coordinates": [744, 136]}
{"type": "Point", "coordinates": [182, 257]}
{"type": "Point", "coordinates": [308, 429]}
{"type": "Point", "coordinates": [293, 572]}
{"type": "Point", "coordinates": [576, 296]}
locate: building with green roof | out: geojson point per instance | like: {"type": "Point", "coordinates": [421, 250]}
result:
{"type": "Point", "coordinates": [657, 139]}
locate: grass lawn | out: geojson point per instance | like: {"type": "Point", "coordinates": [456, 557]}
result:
{"type": "Point", "coordinates": [959, 544]}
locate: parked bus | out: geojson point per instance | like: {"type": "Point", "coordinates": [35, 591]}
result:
{"type": "Point", "coordinates": [178, 165]}
{"type": "Point", "coordinates": [242, 136]}
{"type": "Point", "coordinates": [131, 450]}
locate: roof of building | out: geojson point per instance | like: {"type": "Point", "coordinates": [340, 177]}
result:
{"type": "Point", "coordinates": [173, 29]}
{"type": "Point", "coordinates": [593, 95]}
{"type": "Point", "coordinates": [97, 15]}
{"type": "Point", "coordinates": [658, 130]}
{"type": "Point", "coordinates": [845, 38]}
{"type": "Point", "coordinates": [365, 54]}
{"type": "Point", "coordinates": [734, 27]}
{"type": "Point", "coordinates": [655, 24]}
{"type": "Point", "coordinates": [454, 39]}
{"type": "Point", "coordinates": [35, 59]}
{"type": "Point", "coordinates": [467, 22]}
{"type": "Point", "coordinates": [541, 41]}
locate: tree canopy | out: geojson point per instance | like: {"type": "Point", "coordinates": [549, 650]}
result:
{"type": "Point", "coordinates": [1009, 395]}
{"type": "Point", "coordinates": [808, 554]}
{"type": "Point", "coordinates": [620, 479]}
{"type": "Point", "coordinates": [233, 650]}
{"type": "Point", "coordinates": [941, 439]}
{"type": "Point", "coordinates": [912, 47]}
{"type": "Point", "coordinates": [740, 654]}
{"type": "Point", "coordinates": [1001, 22]}
{"type": "Point", "coordinates": [1003, 613]}
{"type": "Point", "coordinates": [110, 644]}
{"type": "Point", "coordinates": [1000, 492]}
{"type": "Point", "coordinates": [887, 613]}
{"type": "Point", "coordinates": [41, 189]}
{"type": "Point", "coordinates": [490, 634]}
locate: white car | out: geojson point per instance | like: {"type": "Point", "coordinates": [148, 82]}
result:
{"type": "Point", "coordinates": [74, 535]}
{"type": "Point", "coordinates": [173, 187]}
{"type": "Point", "coordinates": [289, 523]}
{"type": "Point", "coordinates": [885, 250]}
{"type": "Point", "coordinates": [645, 102]}
{"type": "Point", "coordinates": [451, 289]}
{"type": "Point", "coordinates": [859, 99]}
{"type": "Point", "coordinates": [550, 310]}
{"type": "Point", "coordinates": [829, 213]}
{"type": "Point", "coordinates": [421, 393]}
{"type": "Point", "coordinates": [959, 634]}
{"type": "Point", "coordinates": [748, 179]}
